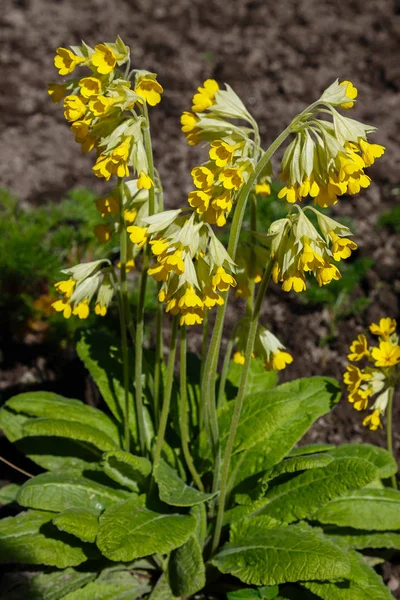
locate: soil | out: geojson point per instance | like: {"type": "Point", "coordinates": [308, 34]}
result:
{"type": "Point", "coordinates": [278, 56]}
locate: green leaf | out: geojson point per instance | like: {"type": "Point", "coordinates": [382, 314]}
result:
{"type": "Point", "coordinates": [129, 530]}
{"type": "Point", "coordinates": [8, 493]}
{"type": "Point", "coordinates": [121, 585]}
{"type": "Point", "coordinates": [69, 429]}
{"type": "Point", "coordinates": [44, 586]}
{"type": "Point", "coordinates": [162, 591]}
{"type": "Point", "coordinates": [246, 594]}
{"type": "Point", "coordinates": [103, 359]}
{"type": "Point", "coordinates": [299, 463]}
{"type": "Point", "coordinates": [270, 556]}
{"type": "Point", "coordinates": [30, 538]}
{"type": "Point", "coordinates": [259, 380]}
{"type": "Point", "coordinates": [380, 457]}
{"type": "Point", "coordinates": [52, 406]}
{"type": "Point", "coordinates": [186, 569]}
{"type": "Point", "coordinates": [127, 469]}
{"type": "Point", "coordinates": [369, 509]}
{"type": "Point", "coordinates": [57, 492]}
{"type": "Point", "coordinates": [360, 540]}
{"type": "Point", "coordinates": [173, 490]}
{"type": "Point", "coordinates": [80, 522]}
{"type": "Point", "coordinates": [311, 449]}
{"type": "Point", "coordinates": [303, 495]}
{"type": "Point", "coordinates": [365, 584]}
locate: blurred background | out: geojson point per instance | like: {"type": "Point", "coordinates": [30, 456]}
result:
{"type": "Point", "coordinates": [278, 56]}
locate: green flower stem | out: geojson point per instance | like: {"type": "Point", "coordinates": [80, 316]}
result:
{"type": "Point", "coordinates": [183, 413]}
{"type": "Point", "coordinates": [206, 329]}
{"type": "Point", "coordinates": [252, 266]}
{"type": "Point", "coordinates": [159, 359]}
{"type": "Point", "coordinates": [122, 313]}
{"type": "Point", "coordinates": [225, 369]}
{"type": "Point", "coordinates": [239, 402]}
{"type": "Point", "coordinates": [149, 156]}
{"type": "Point", "coordinates": [390, 433]}
{"type": "Point", "coordinates": [211, 363]}
{"type": "Point", "coordinates": [167, 393]}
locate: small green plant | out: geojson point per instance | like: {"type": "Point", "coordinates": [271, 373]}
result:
{"type": "Point", "coordinates": [192, 486]}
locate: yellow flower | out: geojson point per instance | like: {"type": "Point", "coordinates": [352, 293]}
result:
{"type": "Point", "coordinates": [173, 261]}
{"type": "Point", "coordinates": [159, 246]}
{"type": "Point", "coordinates": [103, 59]}
{"type": "Point", "coordinates": [130, 215]}
{"type": "Point", "coordinates": [107, 206]}
{"type": "Point", "coordinates": [82, 309]}
{"type": "Point", "coordinates": [294, 280]}
{"type": "Point", "coordinates": [263, 189]}
{"type": "Point", "coordinates": [238, 358]}
{"type": "Point", "coordinates": [56, 92]}
{"type": "Point", "coordinates": [66, 61]}
{"type": "Point", "coordinates": [129, 265]}
{"type": "Point", "coordinates": [309, 259]}
{"type": "Point", "coordinates": [386, 327]}
{"type": "Point", "coordinates": [191, 308]}
{"type": "Point", "coordinates": [326, 273]}
{"type": "Point", "coordinates": [150, 90]}
{"type": "Point", "coordinates": [353, 377]}
{"type": "Point", "coordinates": [359, 398]}
{"type": "Point", "coordinates": [103, 233]}
{"type": "Point", "coordinates": [199, 200]}
{"type": "Point", "coordinates": [190, 299]}
{"type": "Point", "coordinates": [189, 128]}
{"type": "Point", "coordinates": [137, 235]}
{"type": "Point", "coordinates": [80, 129]}
{"type": "Point", "coordinates": [114, 163]}
{"type": "Point", "coordinates": [221, 152]}
{"type": "Point", "coordinates": [90, 86]}
{"type": "Point", "coordinates": [369, 152]}
{"type": "Point", "coordinates": [341, 247]}
{"type": "Point", "coordinates": [64, 307]}
{"type": "Point", "coordinates": [144, 182]}
{"type": "Point", "coordinates": [74, 108]}
{"type": "Point", "coordinates": [222, 281]}
{"type": "Point", "coordinates": [231, 179]}
{"type": "Point", "coordinates": [100, 105]}
{"type": "Point", "coordinates": [351, 92]}
{"type": "Point", "coordinates": [373, 421]}
{"type": "Point", "coordinates": [290, 192]}
{"type": "Point", "coordinates": [205, 96]}
{"type": "Point", "coordinates": [358, 348]}
{"type": "Point", "coordinates": [100, 310]}
{"type": "Point", "coordinates": [223, 202]}
{"type": "Point", "coordinates": [214, 217]}
{"type": "Point", "coordinates": [278, 361]}
{"type": "Point", "coordinates": [211, 298]}
{"type": "Point", "coordinates": [203, 178]}
{"type": "Point", "coordinates": [66, 287]}
{"type": "Point", "coordinates": [386, 355]}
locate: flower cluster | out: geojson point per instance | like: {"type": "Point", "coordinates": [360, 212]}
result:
{"type": "Point", "coordinates": [267, 347]}
{"type": "Point", "coordinates": [104, 112]}
{"type": "Point", "coordinates": [379, 378]}
{"type": "Point", "coordinates": [191, 265]}
{"type": "Point", "coordinates": [298, 248]}
{"type": "Point", "coordinates": [327, 158]}
{"type": "Point", "coordinates": [84, 282]}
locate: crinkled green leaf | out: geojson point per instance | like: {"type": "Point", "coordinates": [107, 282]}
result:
{"type": "Point", "coordinates": [303, 495]}
{"type": "Point", "coordinates": [80, 522]}
{"type": "Point", "coordinates": [122, 585]}
{"type": "Point", "coordinates": [311, 449]}
{"type": "Point", "coordinates": [57, 492]}
{"type": "Point", "coordinates": [259, 380]}
{"type": "Point", "coordinates": [52, 406]}
{"type": "Point", "coordinates": [369, 509]}
{"type": "Point", "coordinates": [43, 586]}
{"type": "Point", "coordinates": [127, 469]}
{"type": "Point", "coordinates": [300, 463]}
{"type": "Point", "coordinates": [380, 457]}
{"type": "Point", "coordinates": [8, 493]}
{"type": "Point", "coordinates": [186, 569]}
{"type": "Point", "coordinates": [30, 538]}
{"type": "Point", "coordinates": [173, 490]}
{"type": "Point", "coordinates": [162, 591]}
{"type": "Point", "coordinates": [270, 556]}
{"type": "Point", "coordinates": [129, 530]}
{"type": "Point", "coordinates": [360, 540]}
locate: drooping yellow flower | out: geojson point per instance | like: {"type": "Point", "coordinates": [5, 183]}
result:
{"type": "Point", "coordinates": [64, 307]}
{"type": "Point", "coordinates": [107, 206]}
{"type": "Point", "coordinates": [359, 398]}
{"type": "Point", "coordinates": [231, 179]}
{"type": "Point", "coordinates": [103, 59]}
{"type": "Point", "coordinates": [369, 152]}
{"type": "Point", "coordinates": [66, 287]}
{"type": "Point", "coordinates": [326, 273]}
{"type": "Point", "coordinates": [353, 377]}
{"type": "Point", "coordinates": [191, 308]}
{"type": "Point", "coordinates": [351, 92]}
{"type": "Point", "coordinates": [263, 189]}
{"type": "Point", "coordinates": [238, 358]}
{"type": "Point", "coordinates": [56, 92]}
{"type": "Point", "coordinates": [309, 259]}
{"type": "Point", "coordinates": [203, 177]}
{"type": "Point", "coordinates": [100, 105]}
{"type": "Point", "coordinates": [115, 163]}
{"type": "Point", "coordinates": [100, 310]}
{"type": "Point", "coordinates": [278, 361]}
{"type": "Point", "coordinates": [223, 202]}
{"type": "Point", "coordinates": [81, 310]}
{"type": "Point", "coordinates": [222, 281]}
{"type": "Point", "coordinates": [159, 246]}
{"type": "Point", "coordinates": [130, 215]}
{"type": "Point", "coordinates": [221, 152]}
{"type": "Point", "coordinates": [150, 90]}
{"type": "Point", "coordinates": [144, 182]}
{"type": "Point", "coordinates": [137, 235]}
{"type": "Point", "coordinates": [200, 200]}
{"type": "Point", "coordinates": [90, 86]}
{"type": "Point", "coordinates": [341, 247]}
{"type": "Point", "coordinates": [205, 96]}
{"type": "Point", "coordinates": [290, 192]}
{"type": "Point", "coordinates": [358, 348]}
{"type": "Point", "coordinates": [74, 108]}
{"type": "Point", "coordinates": [373, 421]}
{"type": "Point", "coordinates": [386, 355]}
{"type": "Point", "coordinates": [189, 128]}
{"type": "Point", "coordinates": [211, 298]}
{"type": "Point", "coordinates": [66, 61]}
{"type": "Point", "coordinates": [293, 280]}
{"type": "Point", "coordinates": [385, 328]}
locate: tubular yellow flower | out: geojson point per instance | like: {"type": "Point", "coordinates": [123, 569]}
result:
{"type": "Point", "coordinates": [223, 202]}
{"type": "Point", "coordinates": [278, 361]}
{"type": "Point", "coordinates": [353, 377]}
{"type": "Point", "coordinates": [66, 287]}
{"type": "Point", "coordinates": [90, 86]}
{"type": "Point", "coordinates": [238, 358]}
{"type": "Point", "coordinates": [203, 177]}
{"type": "Point", "coordinates": [373, 421]}
{"type": "Point", "coordinates": [100, 310]}
{"type": "Point", "coordinates": [144, 182]}
{"type": "Point", "coordinates": [326, 273]}
{"type": "Point", "coordinates": [221, 152]}
{"type": "Point", "coordinates": [205, 96]}
{"type": "Point", "coordinates": [130, 215]}
{"type": "Point", "coordinates": [359, 398]}
{"type": "Point", "coordinates": [211, 298]}
{"type": "Point", "coordinates": [294, 280]}
{"type": "Point", "coordinates": [64, 307]}
{"type": "Point", "coordinates": [66, 61]}
{"type": "Point", "coordinates": [386, 355]}
{"type": "Point", "coordinates": [309, 259]}
{"type": "Point", "coordinates": [81, 310]}
{"type": "Point", "coordinates": [231, 179]}
{"type": "Point", "coordinates": [100, 105]}
{"type": "Point", "coordinates": [56, 92]}
{"type": "Point", "coordinates": [190, 129]}
{"type": "Point", "coordinates": [290, 192]}
{"type": "Point", "coordinates": [369, 152]}
{"type": "Point", "coordinates": [222, 281]}
{"type": "Point", "coordinates": [358, 348]}
{"type": "Point", "coordinates": [103, 59]}
{"type": "Point", "coordinates": [351, 92]}
{"type": "Point", "coordinates": [385, 328]}
{"type": "Point", "coordinates": [137, 235]}
{"type": "Point", "coordinates": [150, 90]}
{"type": "Point", "coordinates": [263, 189]}
{"type": "Point", "coordinates": [341, 247]}
{"type": "Point", "coordinates": [199, 200]}
{"type": "Point", "coordinates": [159, 246]}
{"type": "Point", "coordinates": [74, 108]}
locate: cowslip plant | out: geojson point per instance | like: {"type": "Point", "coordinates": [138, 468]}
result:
{"type": "Point", "coordinates": [193, 486]}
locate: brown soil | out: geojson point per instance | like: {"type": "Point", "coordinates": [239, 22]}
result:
{"type": "Point", "coordinates": [278, 55]}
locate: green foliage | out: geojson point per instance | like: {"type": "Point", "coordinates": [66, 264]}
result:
{"type": "Point", "coordinates": [81, 522]}
{"type": "Point", "coordinates": [174, 491]}
{"type": "Point", "coordinates": [186, 569]}
{"type": "Point", "coordinates": [391, 219]}
{"type": "Point", "coordinates": [126, 469]}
